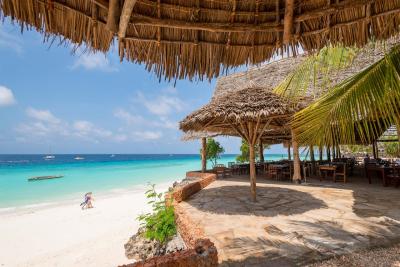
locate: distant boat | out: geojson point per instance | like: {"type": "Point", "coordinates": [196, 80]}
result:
{"type": "Point", "coordinates": [38, 178]}
{"type": "Point", "coordinates": [112, 156]}
{"type": "Point", "coordinates": [49, 156]}
{"type": "Point", "coordinates": [79, 158]}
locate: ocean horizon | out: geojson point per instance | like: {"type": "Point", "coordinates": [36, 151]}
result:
{"type": "Point", "coordinates": [98, 173]}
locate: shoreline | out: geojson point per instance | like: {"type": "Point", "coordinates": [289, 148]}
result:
{"type": "Point", "coordinates": [109, 193]}
{"type": "Point", "coordinates": [61, 234]}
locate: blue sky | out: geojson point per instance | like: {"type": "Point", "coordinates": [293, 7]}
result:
{"type": "Point", "coordinates": [90, 103]}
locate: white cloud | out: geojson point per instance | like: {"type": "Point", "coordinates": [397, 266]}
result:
{"type": "Point", "coordinates": [120, 137]}
{"type": "Point", "coordinates": [88, 129]}
{"type": "Point", "coordinates": [137, 120]}
{"type": "Point", "coordinates": [42, 115]}
{"type": "Point", "coordinates": [128, 117]}
{"type": "Point", "coordinates": [10, 41]}
{"type": "Point", "coordinates": [93, 61]}
{"type": "Point", "coordinates": [161, 105]}
{"type": "Point", "coordinates": [147, 135]}
{"type": "Point", "coordinates": [6, 96]}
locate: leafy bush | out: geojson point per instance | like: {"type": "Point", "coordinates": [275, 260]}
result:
{"type": "Point", "coordinates": [245, 152]}
{"type": "Point", "coordinates": [213, 151]}
{"type": "Point", "coordinates": [160, 223]}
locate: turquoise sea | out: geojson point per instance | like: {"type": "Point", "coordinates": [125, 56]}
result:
{"type": "Point", "coordinates": [97, 173]}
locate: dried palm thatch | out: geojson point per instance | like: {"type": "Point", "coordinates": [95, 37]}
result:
{"type": "Point", "coordinates": [278, 73]}
{"type": "Point", "coordinates": [192, 135]}
{"type": "Point", "coordinates": [227, 114]}
{"type": "Point", "coordinates": [202, 38]}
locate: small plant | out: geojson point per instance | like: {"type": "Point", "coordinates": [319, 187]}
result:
{"type": "Point", "coordinates": [160, 223]}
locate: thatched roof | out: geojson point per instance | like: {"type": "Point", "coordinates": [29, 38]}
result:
{"type": "Point", "coordinates": [257, 105]}
{"type": "Point", "coordinates": [202, 38]}
{"type": "Point", "coordinates": [272, 74]}
{"type": "Point", "coordinates": [191, 135]}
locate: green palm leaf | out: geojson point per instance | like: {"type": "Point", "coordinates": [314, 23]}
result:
{"type": "Point", "coordinates": [358, 109]}
{"type": "Point", "coordinates": [312, 76]}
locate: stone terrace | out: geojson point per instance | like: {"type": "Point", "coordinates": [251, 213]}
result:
{"type": "Point", "coordinates": [294, 224]}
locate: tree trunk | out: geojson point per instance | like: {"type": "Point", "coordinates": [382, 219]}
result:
{"type": "Point", "coordinates": [203, 154]}
{"type": "Point", "coordinates": [252, 172]}
{"type": "Point", "coordinates": [339, 154]}
{"type": "Point", "coordinates": [296, 158]}
{"type": "Point", "coordinates": [261, 152]}
{"type": "Point", "coordinates": [288, 152]}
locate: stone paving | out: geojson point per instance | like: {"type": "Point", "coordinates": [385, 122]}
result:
{"type": "Point", "coordinates": [294, 225]}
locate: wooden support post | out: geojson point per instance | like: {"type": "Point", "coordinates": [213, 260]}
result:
{"type": "Point", "coordinates": [296, 159]}
{"type": "Point", "coordinates": [288, 21]}
{"type": "Point", "coordinates": [373, 150]}
{"type": "Point", "coordinates": [312, 158]}
{"type": "Point", "coordinates": [288, 152]}
{"type": "Point", "coordinates": [328, 153]}
{"type": "Point", "coordinates": [338, 153]}
{"type": "Point", "coordinates": [333, 152]}
{"type": "Point", "coordinates": [252, 172]}
{"type": "Point", "coordinates": [261, 151]}
{"type": "Point", "coordinates": [320, 152]}
{"type": "Point", "coordinates": [125, 17]}
{"type": "Point", "coordinates": [113, 15]}
{"type": "Point", "coordinates": [203, 154]}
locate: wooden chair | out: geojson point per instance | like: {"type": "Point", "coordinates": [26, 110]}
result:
{"type": "Point", "coordinates": [341, 172]}
{"type": "Point", "coordinates": [235, 169]}
{"type": "Point", "coordinates": [287, 172]}
{"type": "Point", "coordinates": [395, 176]}
{"type": "Point", "coordinates": [227, 172]}
{"type": "Point", "coordinates": [219, 171]}
{"type": "Point", "coordinates": [273, 172]}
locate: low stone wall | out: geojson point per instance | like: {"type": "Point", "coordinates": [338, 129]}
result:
{"type": "Point", "coordinates": [204, 254]}
{"type": "Point", "coordinates": [201, 251]}
{"type": "Point", "coordinates": [184, 192]}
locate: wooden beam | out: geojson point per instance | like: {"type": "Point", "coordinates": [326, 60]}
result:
{"type": "Point", "coordinates": [101, 3]}
{"type": "Point", "coordinates": [261, 151]}
{"type": "Point", "coordinates": [113, 15]}
{"type": "Point", "coordinates": [288, 21]}
{"type": "Point", "coordinates": [126, 14]}
{"type": "Point", "coordinates": [203, 154]}
{"type": "Point", "coordinates": [205, 26]}
{"type": "Point", "coordinates": [296, 160]}
{"type": "Point", "coordinates": [253, 183]}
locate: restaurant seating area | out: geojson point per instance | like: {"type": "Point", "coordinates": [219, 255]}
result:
{"type": "Point", "coordinates": [336, 170]}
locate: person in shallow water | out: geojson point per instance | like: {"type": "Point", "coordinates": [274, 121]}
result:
{"type": "Point", "coordinates": [87, 204]}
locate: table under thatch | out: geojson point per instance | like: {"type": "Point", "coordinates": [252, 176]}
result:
{"type": "Point", "coordinates": [202, 38]}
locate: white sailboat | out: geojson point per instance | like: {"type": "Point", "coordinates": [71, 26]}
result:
{"type": "Point", "coordinates": [49, 156]}
{"type": "Point", "coordinates": [79, 158]}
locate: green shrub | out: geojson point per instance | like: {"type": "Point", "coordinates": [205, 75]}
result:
{"type": "Point", "coordinates": [160, 223]}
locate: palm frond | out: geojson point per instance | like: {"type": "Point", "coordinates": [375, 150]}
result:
{"type": "Point", "coordinates": [358, 110]}
{"type": "Point", "coordinates": [314, 73]}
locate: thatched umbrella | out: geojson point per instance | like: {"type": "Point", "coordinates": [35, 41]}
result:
{"type": "Point", "coordinates": [189, 136]}
{"type": "Point", "coordinates": [247, 113]}
{"type": "Point", "coordinates": [202, 38]}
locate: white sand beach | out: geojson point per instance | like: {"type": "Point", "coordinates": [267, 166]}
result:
{"type": "Point", "coordinates": [65, 235]}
